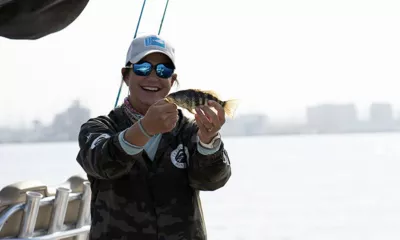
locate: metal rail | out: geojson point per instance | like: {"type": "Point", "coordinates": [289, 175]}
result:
{"type": "Point", "coordinates": [56, 228]}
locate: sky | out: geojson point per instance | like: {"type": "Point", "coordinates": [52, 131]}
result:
{"type": "Point", "coordinates": [277, 57]}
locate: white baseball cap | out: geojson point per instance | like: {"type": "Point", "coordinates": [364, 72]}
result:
{"type": "Point", "coordinates": [146, 44]}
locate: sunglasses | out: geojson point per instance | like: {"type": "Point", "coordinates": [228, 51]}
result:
{"type": "Point", "coordinates": [145, 68]}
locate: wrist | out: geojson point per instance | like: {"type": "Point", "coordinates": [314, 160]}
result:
{"type": "Point", "coordinates": [212, 142]}
{"type": "Point", "coordinates": [208, 139]}
{"type": "Point", "coordinates": [145, 127]}
{"type": "Point", "coordinates": [134, 136]}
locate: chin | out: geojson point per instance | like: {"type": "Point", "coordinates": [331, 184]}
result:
{"type": "Point", "coordinates": [149, 97]}
{"type": "Point", "coordinates": [150, 100]}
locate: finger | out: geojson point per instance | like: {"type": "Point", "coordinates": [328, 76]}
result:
{"type": "Point", "coordinates": [168, 108]}
{"type": "Point", "coordinates": [169, 116]}
{"type": "Point", "coordinates": [171, 123]}
{"type": "Point", "coordinates": [170, 120]}
{"type": "Point", "coordinates": [173, 117]}
{"type": "Point", "coordinates": [220, 110]}
{"type": "Point", "coordinates": [172, 106]}
{"type": "Point", "coordinates": [211, 115]}
{"type": "Point", "coordinates": [204, 120]}
{"type": "Point", "coordinates": [161, 102]}
{"type": "Point", "coordinates": [164, 103]}
{"type": "Point", "coordinates": [200, 124]}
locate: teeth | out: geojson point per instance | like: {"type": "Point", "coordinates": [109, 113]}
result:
{"type": "Point", "coordinates": [151, 88]}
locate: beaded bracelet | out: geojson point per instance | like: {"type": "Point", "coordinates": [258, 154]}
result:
{"type": "Point", "coordinates": [142, 129]}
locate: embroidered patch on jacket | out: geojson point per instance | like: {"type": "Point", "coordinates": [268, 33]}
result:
{"type": "Point", "coordinates": [180, 156]}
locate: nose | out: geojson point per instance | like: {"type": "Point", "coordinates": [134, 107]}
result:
{"type": "Point", "coordinates": [152, 77]}
{"type": "Point", "coordinates": [153, 73]}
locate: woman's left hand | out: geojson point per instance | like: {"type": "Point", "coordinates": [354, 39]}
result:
{"type": "Point", "coordinates": [209, 122]}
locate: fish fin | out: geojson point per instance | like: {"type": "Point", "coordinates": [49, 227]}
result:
{"type": "Point", "coordinates": [211, 92]}
{"type": "Point", "coordinates": [230, 107]}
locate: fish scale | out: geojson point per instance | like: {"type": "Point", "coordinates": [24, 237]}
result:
{"type": "Point", "coordinates": [191, 98]}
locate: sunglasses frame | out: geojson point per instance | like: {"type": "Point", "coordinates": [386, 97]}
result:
{"type": "Point", "coordinates": [153, 68]}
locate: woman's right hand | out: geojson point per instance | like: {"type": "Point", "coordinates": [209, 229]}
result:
{"type": "Point", "coordinates": [161, 117]}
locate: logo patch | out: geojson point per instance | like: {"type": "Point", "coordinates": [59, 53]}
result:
{"type": "Point", "coordinates": [154, 41]}
{"type": "Point", "coordinates": [98, 139]}
{"type": "Point", "coordinates": [180, 157]}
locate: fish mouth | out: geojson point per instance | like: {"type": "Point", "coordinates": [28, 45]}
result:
{"type": "Point", "coordinates": [150, 89]}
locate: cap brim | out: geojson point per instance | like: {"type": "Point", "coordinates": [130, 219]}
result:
{"type": "Point", "coordinates": [145, 53]}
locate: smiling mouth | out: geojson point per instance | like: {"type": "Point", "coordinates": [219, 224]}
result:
{"type": "Point", "coordinates": [151, 89]}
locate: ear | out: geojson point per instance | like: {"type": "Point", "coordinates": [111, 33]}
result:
{"type": "Point", "coordinates": [174, 77]}
{"type": "Point", "coordinates": [125, 75]}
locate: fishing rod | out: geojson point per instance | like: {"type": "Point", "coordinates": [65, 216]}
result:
{"type": "Point", "coordinates": [162, 20]}
{"type": "Point", "coordinates": [137, 28]}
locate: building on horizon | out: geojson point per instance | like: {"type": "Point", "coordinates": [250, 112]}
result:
{"type": "Point", "coordinates": [65, 125]}
{"type": "Point", "coordinates": [381, 116]}
{"type": "Point", "coordinates": [332, 118]}
{"type": "Point", "coordinates": [246, 125]}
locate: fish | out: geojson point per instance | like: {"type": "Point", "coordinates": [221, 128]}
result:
{"type": "Point", "coordinates": [189, 99]}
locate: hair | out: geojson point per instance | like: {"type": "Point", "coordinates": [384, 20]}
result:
{"type": "Point", "coordinates": [126, 73]}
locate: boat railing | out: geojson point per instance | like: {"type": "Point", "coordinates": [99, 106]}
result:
{"type": "Point", "coordinates": [31, 210]}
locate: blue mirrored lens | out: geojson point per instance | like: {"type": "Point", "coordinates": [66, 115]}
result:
{"type": "Point", "coordinates": [145, 68]}
{"type": "Point", "coordinates": [142, 69]}
{"type": "Point", "coordinates": [164, 71]}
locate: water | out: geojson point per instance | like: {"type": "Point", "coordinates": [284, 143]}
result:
{"type": "Point", "coordinates": [328, 187]}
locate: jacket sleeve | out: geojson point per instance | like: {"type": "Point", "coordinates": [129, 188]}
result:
{"type": "Point", "coordinates": [209, 169]}
{"type": "Point", "coordinates": [102, 152]}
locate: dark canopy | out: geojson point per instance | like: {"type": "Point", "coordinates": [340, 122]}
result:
{"type": "Point", "coordinates": [34, 19]}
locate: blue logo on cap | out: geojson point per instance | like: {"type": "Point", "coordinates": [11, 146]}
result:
{"type": "Point", "coordinates": [154, 41]}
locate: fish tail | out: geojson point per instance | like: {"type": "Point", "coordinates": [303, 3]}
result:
{"type": "Point", "coordinates": [230, 107]}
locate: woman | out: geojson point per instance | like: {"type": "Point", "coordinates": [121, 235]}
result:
{"type": "Point", "coordinates": [146, 162]}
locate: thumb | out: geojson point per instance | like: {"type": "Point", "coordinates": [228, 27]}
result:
{"type": "Point", "coordinates": [161, 102]}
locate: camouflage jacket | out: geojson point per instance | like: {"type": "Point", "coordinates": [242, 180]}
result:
{"type": "Point", "coordinates": [136, 198]}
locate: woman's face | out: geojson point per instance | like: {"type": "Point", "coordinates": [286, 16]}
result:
{"type": "Point", "coordinates": [146, 90]}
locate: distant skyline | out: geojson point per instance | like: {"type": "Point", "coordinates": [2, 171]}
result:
{"type": "Point", "coordinates": [321, 119]}
{"type": "Point", "coordinates": [361, 114]}
{"type": "Point", "coordinates": [278, 57]}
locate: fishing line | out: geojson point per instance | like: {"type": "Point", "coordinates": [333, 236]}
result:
{"type": "Point", "coordinates": [140, 18]}
{"type": "Point", "coordinates": [162, 20]}
{"type": "Point", "coordinates": [137, 28]}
